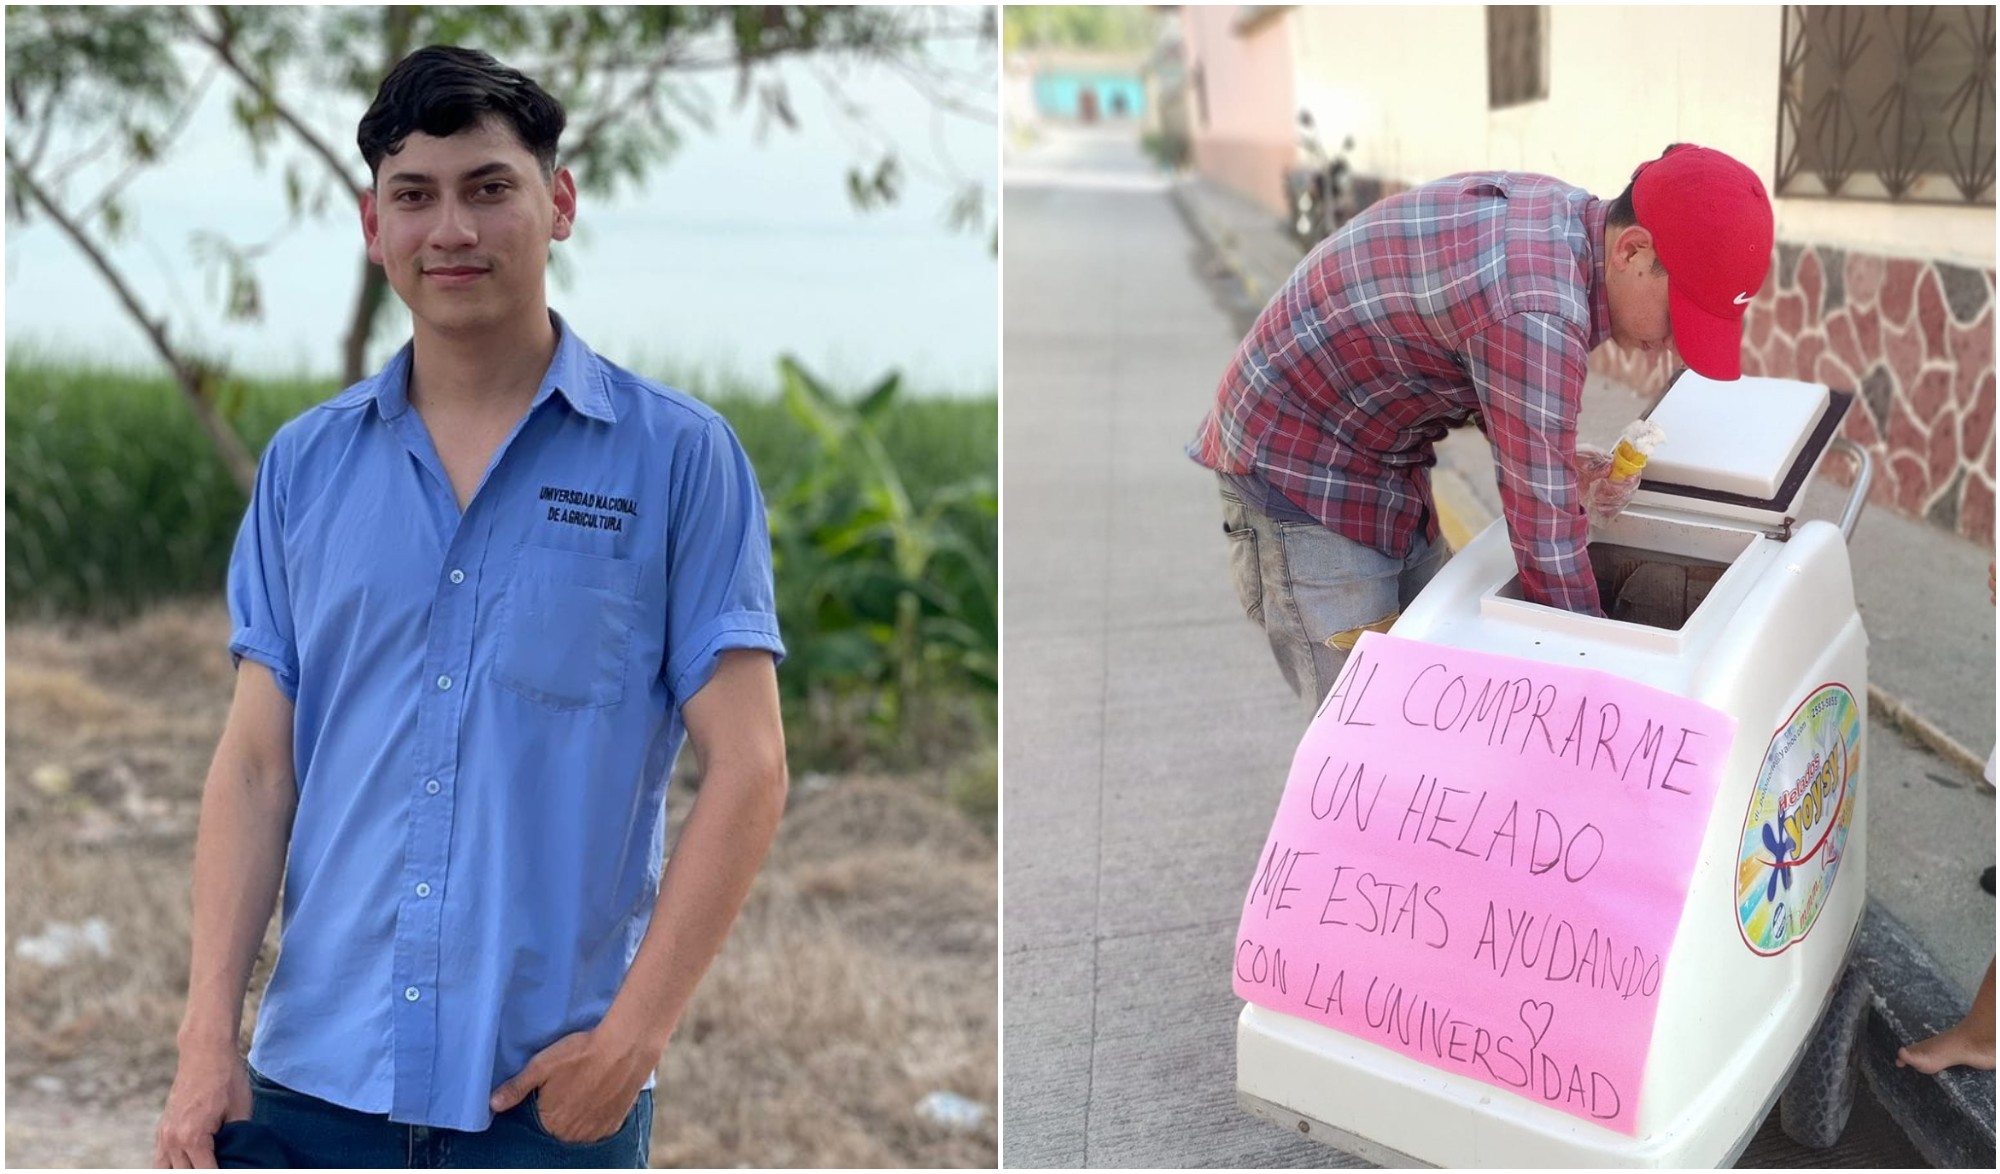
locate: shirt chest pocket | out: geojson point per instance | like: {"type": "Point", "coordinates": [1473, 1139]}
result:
{"type": "Point", "coordinates": [566, 627]}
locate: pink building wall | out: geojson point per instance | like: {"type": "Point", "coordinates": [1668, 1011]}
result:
{"type": "Point", "coordinates": [1249, 137]}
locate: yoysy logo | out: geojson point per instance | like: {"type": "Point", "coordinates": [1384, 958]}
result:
{"type": "Point", "coordinates": [1795, 831]}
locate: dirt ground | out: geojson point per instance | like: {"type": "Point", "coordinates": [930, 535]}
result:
{"type": "Point", "coordinates": [861, 978]}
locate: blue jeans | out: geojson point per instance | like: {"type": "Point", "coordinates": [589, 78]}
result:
{"type": "Point", "coordinates": [326, 1135]}
{"type": "Point", "coordinates": [1311, 589]}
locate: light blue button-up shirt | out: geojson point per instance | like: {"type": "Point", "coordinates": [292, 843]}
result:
{"type": "Point", "coordinates": [487, 707]}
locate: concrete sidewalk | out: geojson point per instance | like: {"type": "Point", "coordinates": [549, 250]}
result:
{"type": "Point", "coordinates": [1147, 732]}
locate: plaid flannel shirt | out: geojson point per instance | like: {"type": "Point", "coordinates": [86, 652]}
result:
{"type": "Point", "coordinates": [1481, 292]}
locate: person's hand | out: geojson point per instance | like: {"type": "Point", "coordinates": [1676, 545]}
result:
{"type": "Point", "coordinates": [1603, 496]}
{"type": "Point", "coordinates": [210, 1087]}
{"type": "Point", "coordinates": [588, 1085]}
{"type": "Point", "coordinates": [1592, 464]}
{"type": "Point", "coordinates": [1607, 497]}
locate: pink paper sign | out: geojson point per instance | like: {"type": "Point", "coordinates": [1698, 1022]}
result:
{"type": "Point", "coordinates": [1479, 862]}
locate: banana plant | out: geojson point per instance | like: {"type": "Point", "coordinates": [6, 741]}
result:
{"type": "Point", "coordinates": [881, 592]}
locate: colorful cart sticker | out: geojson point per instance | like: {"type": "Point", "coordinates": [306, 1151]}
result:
{"type": "Point", "coordinates": [1796, 831]}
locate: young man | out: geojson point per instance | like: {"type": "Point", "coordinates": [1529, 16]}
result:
{"type": "Point", "coordinates": [1480, 293]}
{"type": "Point", "coordinates": [479, 599]}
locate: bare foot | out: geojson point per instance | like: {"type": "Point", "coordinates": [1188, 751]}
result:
{"type": "Point", "coordinates": [1955, 1045]}
{"type": "Point", "coordinates": [1968, 1042]}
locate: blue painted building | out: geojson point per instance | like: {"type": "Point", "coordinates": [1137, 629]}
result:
{"type": "Point", "coordinates": [1085, 93]}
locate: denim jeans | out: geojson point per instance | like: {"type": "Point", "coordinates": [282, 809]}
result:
{"type": "Point", "coordinates": [326, 1135]}
{"type": "Point", "coordinates": [1311, 589]}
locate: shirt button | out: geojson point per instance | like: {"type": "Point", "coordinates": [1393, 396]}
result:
{"type": "Point", "coordinates": [410, 993]}
{"type": "Point", "coordinates": [458, 576]}
{"type": "Point", "coordinates": [444, 682]}
{"type": "Point", "coordinates": [431, 787]}
{"type": "Point", "coordinates": [423, 890]}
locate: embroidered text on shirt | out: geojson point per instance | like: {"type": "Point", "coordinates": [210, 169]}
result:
{"type": "Point", "coordinates": [601, 513]}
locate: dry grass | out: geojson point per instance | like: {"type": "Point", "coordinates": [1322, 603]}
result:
{"type": "Point", "coordinates": [862, 976]}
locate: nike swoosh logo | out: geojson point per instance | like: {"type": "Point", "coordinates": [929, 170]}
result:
{"type": "Point", "coordinates": [1743, 299]}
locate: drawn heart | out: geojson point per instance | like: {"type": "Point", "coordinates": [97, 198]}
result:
{"type": "Point", "coordinates": [1532, 1012]}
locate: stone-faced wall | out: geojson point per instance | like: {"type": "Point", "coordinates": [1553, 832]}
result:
{"type": "Point", "coordinates": [1914, 338]}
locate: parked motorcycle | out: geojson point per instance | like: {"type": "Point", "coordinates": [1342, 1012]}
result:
{"type": "Point", "coordinates": [1320, 194]}
{"type": "Point", "coordinates": [1326, 194]}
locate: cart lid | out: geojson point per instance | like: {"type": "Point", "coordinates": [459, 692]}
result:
{"type": "Point", "coordinates": [1740, 451]}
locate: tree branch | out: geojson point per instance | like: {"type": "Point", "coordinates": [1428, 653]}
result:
{"type": "Point", "coordinates": [729, 60]}
{"type": "Point", "coordinates": [46, 125]}
{"type": "Point", "coordinates": [132, 169]}
{"type": "Point", "coordinates": [220, 44]}
{"type": "Point", "coordinates": [657, 67]}
{"type": "Point", "coordinates": [195, 378]}
{"type": "Point", "coordinates": [369, 296]}
{"type": "Point", "coordinates": [927, 86]}
{"type": "Point", "coordinates": [609, 111]}
{"type": "Point", "coordinates": [83, 158]}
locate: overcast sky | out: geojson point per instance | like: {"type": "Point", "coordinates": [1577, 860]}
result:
{"type": "Point", "coordinates": [736, 251]}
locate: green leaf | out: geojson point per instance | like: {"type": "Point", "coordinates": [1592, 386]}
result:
{"type": "Point", "coordinates": [246, 303]}
{"type": "Point", "coordinates": [880, 397]}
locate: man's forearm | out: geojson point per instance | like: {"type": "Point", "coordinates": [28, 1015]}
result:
{"type": "Point", "coordinates": [239, 858]}
{"type": "Point", "coordinates": [727, 835]}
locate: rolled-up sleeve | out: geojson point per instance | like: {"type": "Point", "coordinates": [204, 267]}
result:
{"type": "Point", "coordinates": [1529, 370]}
{"type": "Point", "coordinates": [260, 603]}
{"type": "Point", "coordinates": [719, 588]}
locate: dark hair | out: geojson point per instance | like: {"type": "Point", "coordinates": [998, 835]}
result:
{"type": "Point", "coordinates": [1621, 214]}
{"type": "Point", "coordinates": [442, 89]}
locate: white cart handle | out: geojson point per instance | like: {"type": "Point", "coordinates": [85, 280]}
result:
{"type": "Point", "coordinates": [1864, 471]}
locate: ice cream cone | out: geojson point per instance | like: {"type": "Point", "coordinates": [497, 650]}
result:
{"type": "Point", "coordinates": [1626, 461]}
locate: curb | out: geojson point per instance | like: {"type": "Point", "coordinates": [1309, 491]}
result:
{"type": "Point", "coordinates": [1461, 515]}
{"type": "Point", "coordinates": [1947, 1116]}
{"type": "Point", "coordinates": [1220, 241]}
{"type": "Point", "coordinates": [1912, 725]}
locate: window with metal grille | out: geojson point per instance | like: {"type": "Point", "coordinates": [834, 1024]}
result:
{"type": "Point", "coordinates": [1517, 55]}
{"type": "Point", "coordinates": [1887, 103]}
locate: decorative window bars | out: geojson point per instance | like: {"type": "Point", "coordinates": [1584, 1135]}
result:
{"type": "Point", "coordinates": [1887, 103]}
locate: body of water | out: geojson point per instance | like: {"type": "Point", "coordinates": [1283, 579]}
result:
{"type": "Point", "coordinates": [735, 251]}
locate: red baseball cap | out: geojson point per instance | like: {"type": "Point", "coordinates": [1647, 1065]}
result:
{"type": "Point", "coordinates": [1711, 224]}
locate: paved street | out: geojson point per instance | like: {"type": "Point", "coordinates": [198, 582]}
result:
{"type": "Point", "coordinates": [1147, 733]}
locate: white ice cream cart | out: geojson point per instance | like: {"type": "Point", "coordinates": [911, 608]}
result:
{"type": "Point", "coordinates": [1717, 591]}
